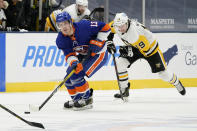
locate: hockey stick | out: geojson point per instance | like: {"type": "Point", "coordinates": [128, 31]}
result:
{"type": "Point", "coordinates": [35, 108]}
{"type": "Point", "coordinates": [116, 70]}
{"type": "Point", "coordinates": [39, 125]}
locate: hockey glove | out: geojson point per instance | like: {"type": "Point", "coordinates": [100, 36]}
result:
{"type": "Point", "coordinates": [77, 66]}
{"type": "Point", "coordinates": [96, 46]}
{"type": "Point", "coordinates": [126, 51]}
{"type": "Point", "coordinates": [111, 47]}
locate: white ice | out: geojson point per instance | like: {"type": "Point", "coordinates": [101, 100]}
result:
{"type": "Point", "coordinates": [147, 110]}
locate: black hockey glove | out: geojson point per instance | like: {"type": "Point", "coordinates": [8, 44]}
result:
{"type": "Point", "coordinates": [111, 47]}
{"type": "Point", "coordinates": [126, 51]}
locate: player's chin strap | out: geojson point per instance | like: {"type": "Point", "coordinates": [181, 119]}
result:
{"type": "Point", "coordinates": [116, 70]}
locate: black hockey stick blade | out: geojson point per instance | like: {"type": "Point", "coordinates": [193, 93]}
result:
{"type": "Point", "coordinates": [39, 125]}
{"type": "Point", "coordinates": [35, 124]}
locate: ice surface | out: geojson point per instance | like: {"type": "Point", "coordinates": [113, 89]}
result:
{"type": "Point", "coordinates": [147, 110]}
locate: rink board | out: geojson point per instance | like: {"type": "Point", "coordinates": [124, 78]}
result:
{"type": "Point", "coordinates": [33, 63]}
{"type": "Point", "coordinates": [97, 85]}
{"type": "Point", "coordinates": [2, 62]}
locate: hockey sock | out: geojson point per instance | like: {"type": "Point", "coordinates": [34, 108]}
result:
{"type": "Point", "coordinates": [123, 77]}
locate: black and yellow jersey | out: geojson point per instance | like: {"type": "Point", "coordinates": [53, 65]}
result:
{"type": "Point", "coordinates": [138, 36]}
{"type": "Point", "coordinates": [50, 24]}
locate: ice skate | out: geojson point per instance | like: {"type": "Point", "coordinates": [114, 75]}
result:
{"type": "Point", "coordinates": [180, 88]}
{"type": "Point", "coordinates": [125, 94]}
{"type": "Point", "coordinates": [68, 104]}
{"type": "Point", "coordinates": [83, 104]}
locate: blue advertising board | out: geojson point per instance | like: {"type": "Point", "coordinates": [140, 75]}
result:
{"type": "Point", "coordinates": [2, 62]}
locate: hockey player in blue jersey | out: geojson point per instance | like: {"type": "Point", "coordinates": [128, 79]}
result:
{"type": "Point", "coordinates": [76, 40]}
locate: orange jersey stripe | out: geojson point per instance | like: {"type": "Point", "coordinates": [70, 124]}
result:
{"type": "Point", "coordinates": [96, 63]}
{"type": "Point", "coordinates": [97, 43]}
{"type": "Point", "coordinates": [82, 88]}
{"type": "Point", "coordinates": [72, 91]}
{"type": "Point", "coordinates": [105, 28]}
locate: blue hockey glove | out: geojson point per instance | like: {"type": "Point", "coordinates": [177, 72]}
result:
{"type": "Point", "coordinates": [77, 66]}
{"type": "Point", "coordinates": [96, 46]}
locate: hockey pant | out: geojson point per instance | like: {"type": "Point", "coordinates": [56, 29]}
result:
{"type": "Point", "coordinates": [157, 59]}
{"type": "Point", "coordinates": [77, 86]}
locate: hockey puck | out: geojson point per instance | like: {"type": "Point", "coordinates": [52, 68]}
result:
{"type": "Point", "coordinates": [27, 112]}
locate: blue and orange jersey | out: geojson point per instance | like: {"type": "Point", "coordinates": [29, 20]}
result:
{"type": "Point", "coordinates": [84, 31]}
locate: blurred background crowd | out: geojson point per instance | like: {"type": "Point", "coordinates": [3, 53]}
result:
{"type": "Point", "coordinates": [30, 15]}
{"type": "Point", "coordinates": [157, 15]}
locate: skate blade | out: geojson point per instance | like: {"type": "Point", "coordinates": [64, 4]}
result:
{"type": "Point", "coordinates": [181, 90]}
{"type": "Point", "coordinates": [67, 108]}
{"type": "Point", "coordinates": [83, 108]}
{"type": "Point", "coordinates": [124, 100]}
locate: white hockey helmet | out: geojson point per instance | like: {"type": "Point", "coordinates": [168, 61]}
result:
{"type": "Point", "coordinates": [82, 2]}
{"type": "Point", "coordinates": [120, 19]}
